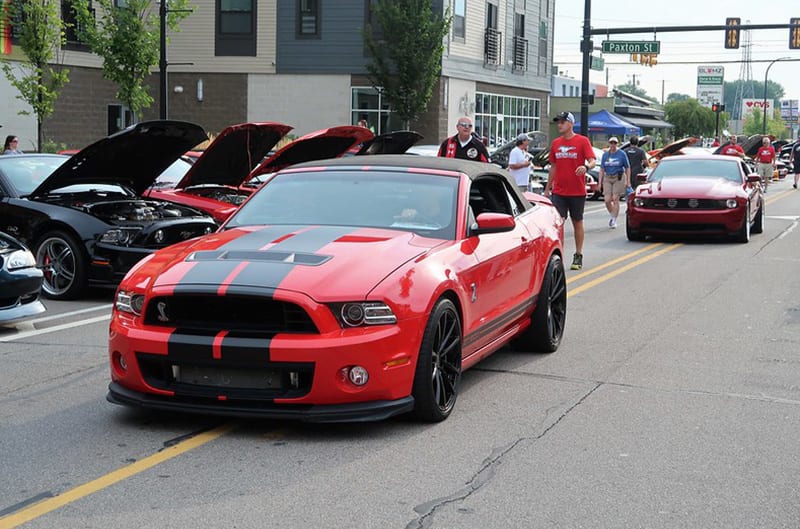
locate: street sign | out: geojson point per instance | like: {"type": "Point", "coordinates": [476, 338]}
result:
{"type": "Point", "coordinates": [631, 46]}
{"type": "Point", "coordinates": [710, 81]}
{"type": "Point", "coordinates": [598, 63]}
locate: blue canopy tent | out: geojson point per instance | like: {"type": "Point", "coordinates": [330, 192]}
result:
{"type": "Point", "coordinates": [605, 122]}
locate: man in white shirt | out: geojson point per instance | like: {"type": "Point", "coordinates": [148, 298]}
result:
{"type": "Point", "coordinates": [519, 162]}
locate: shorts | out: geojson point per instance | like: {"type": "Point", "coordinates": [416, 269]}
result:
{"type": "Point", "coordinates": [613, 185]}
{"type": "Point", "coordinates": [765, 170]}
{"type": "Point", "coordinates": [564, 204]}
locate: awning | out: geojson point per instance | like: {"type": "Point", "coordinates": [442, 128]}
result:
{"type": "Point", "coordinates": [647, 123]}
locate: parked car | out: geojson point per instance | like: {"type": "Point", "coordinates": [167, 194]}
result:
{"type": "Point", "coordinates": [21, 281]}
{"type": "Point", "coordinates": [537, 143]}
{"type": "Point", "coordinates": [395, 142]}
{"type": "Point", "coordinates": [84, 216]}
{"type": "Point", "coordinates": [343, 290]}
{"type": "Point", "coordinates": [697, 195]}
{"type": "Point", "coordinates": [424, 150]}
{"type": "Point", "coordinates": [212, 183]}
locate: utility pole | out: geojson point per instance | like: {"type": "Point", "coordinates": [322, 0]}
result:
{"type": "Point", "coordinates": [162, 61]}
{"type": "Point", "coordinates": [586, 48]}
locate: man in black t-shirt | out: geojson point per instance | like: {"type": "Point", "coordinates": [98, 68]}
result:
{"type": "Point", "coordinates": [464, 145]}
{"type": "Point", "coordinates": [636, 156]}
{"type": "Point", "coordinates": [794, 158]}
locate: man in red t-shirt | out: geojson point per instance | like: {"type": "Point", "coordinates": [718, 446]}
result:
{"type": "Point", "coordinates": [571, 156]}
{"type": "Point", "coordinates": [732, 148]}
{"type": "Point", "coordinates": [765, 158]}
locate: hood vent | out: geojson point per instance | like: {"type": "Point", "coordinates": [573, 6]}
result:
{"type": "Point", "coordinates": [308, 259]}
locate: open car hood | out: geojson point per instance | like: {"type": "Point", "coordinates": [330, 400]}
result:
{"type": "Point", "coordinates": [133, 157]}
{"type": "Point", "coordinates": [318, 145]}
{"type": "Point", "coordinates": [397, 142]}
{"type": "Point", "coordinates": [672, 148]}
{"type": "Point", "coordinates": [228, 160]}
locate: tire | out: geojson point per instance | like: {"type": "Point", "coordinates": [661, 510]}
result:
{"type": "Point", "coordinates": [438, 371]}
{"type": "Point", "coordinates": [633, 235]}
{"type": "Point", "coordinates": [758, 224]}
{"type": "Point", "coordinates": [64, 264]}
{"type": "Point", "coordinates": [743, 234]}
{"type": "Point", "coordinates": [549, 317]}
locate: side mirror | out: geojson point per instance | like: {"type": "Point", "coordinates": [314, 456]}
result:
{"type": "Point", "coordinates": [641, 178]}
{"type": "Point", "coordinates": [493, 223]}
{"type": "Point", "coordinates": [753, 178]}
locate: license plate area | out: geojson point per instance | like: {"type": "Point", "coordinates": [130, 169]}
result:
{"type": "Point", "coordinates": [227, 377]}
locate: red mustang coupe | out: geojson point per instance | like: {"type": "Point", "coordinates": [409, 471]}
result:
{"type": "Point", "coordinates": [343, 290]}
{"type": "Point", "coordinates": [697, 195]}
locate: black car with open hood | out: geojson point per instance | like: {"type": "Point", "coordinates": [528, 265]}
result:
{"type": "Point", "coordinates": [84, 217]}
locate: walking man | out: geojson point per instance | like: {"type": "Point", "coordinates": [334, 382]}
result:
{"type": "Point", "coordinates": [732, 148]}
{"type": "Point", "coordinates": [636, 157]}
{"type": "Point", "coordinates": [519, 162]}
{"type": "Point", "coordinates": [571, 156]}
{"type": "Point", "coordinates": [794, 158]}
{"type": "Point", "coordinates": [765, 158]}
{"type": "Point", "coordinates": [615, 177]}
{"type": "Point", "coordinates": [464, 145]}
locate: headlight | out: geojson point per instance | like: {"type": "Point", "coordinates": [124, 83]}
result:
{"type": "Point", "coordinates": [638, 202]}
{"type": "Point", "coordinates": [731, 203]}
{"type": "Point", "coordinates": [360, 313]}
{"type": "Point", "coordinates": [20, 259]}
{"type": "Point", "coordinates": [129, 302]}
{"type": "Point", "coordinates": [120, 236]}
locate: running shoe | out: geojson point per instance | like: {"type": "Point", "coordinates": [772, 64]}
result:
{"type": "Point", "coordinates": [577, 261]}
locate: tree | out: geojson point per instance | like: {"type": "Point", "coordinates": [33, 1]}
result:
{"type": "Point", "coordinates": [754, 124]}
{"type": "Point", "coordinates": [407, 58]}
{"type": "Point", "coordinates": [675, 97]}
{"type": "Point", "coordinates": [690, 118]}
{"type": "Point", "coordinates": [38, 25]}
{"type": "Point", "coordinates": [127, 38]}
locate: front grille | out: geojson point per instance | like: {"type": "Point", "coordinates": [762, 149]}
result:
{"type": "Point", "coordinates": [262, 381]}
{"type": "Point", "coordinates": [684, 203]}
{"type": "Point", "coordinates": [252, 315]}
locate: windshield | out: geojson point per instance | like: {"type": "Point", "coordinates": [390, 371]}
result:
{"type": "Point", "coordinates": [26, 173]}
{"type": "Point", "coordinates": [172, 174]}
{"type": "Point", "coordinates": [422, 203]}
{"type": "Point", "coordinates": [691, 168]}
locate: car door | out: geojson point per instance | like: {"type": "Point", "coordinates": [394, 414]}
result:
{"type": "Point", "coordinates": [501, 279]}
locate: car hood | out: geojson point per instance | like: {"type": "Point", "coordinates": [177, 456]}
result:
{"type": "Point", "coordinates": [233, 154]}
{"type": "Point", "coordinates": [324, 262]}
{"type": "Point", "coordinates": [318, 145]}
{"type": "Point", "coordinates": [133, 157]}
{"type": "Point", "coordinates": [672, 148]}
{"type": "Point", "coordinates": [690, 187]}
{"type": "Point", "coordinates": [397, 142]}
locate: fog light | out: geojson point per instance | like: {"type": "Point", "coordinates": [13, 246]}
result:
{"type": "Point", "coordinates": [358, 375]}
{"type": "Point", "coordinates": [731, 203]}
{"type": "Point", "coordinates": [119, 363]}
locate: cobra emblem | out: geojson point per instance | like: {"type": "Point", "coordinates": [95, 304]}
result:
{"type": "Point", "coordinates": [161, 306]}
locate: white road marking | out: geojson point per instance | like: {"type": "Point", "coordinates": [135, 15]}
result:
{"type": "Point", "coordinates": [788, 230]}
{"type": "Point", "coordinates": [71, 313]}
{"type": "Point", "coordinates": [55, 328]}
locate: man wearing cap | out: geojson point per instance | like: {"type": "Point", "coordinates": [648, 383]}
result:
{"type": "Point", "coordinates": [464, 145]}
{"type": "Point", "coordinates": [571, 156]}
{"type": "Point", "coordinates": [519, 162]}
{"type": "Point", "coordinates": [615, 177]}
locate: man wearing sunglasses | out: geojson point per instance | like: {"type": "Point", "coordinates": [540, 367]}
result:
{"type": "Point", "coordinates": [464, 145]}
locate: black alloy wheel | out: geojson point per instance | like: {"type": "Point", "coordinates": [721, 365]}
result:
{"type": "Point", "coordinates": [438, 372]}
{"type": "Point", "coordinates": [550, 315]}
{"type": "Point", "coordinates": [62, 261]}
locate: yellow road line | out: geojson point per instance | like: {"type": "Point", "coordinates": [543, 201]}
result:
{"type": "Point", "coordinates": [618, 271]}
{"type": "Point", "coordinates": [769, 199]}
{"type": "Point", "coordinates": [39, 509]}
{"type": "Point", "coordinates": [612, 262]}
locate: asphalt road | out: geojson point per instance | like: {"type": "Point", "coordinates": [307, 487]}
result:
{"type": "Point", "coordinates": [674, 401]}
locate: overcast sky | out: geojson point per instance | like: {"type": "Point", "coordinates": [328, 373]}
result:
{"type": "Point", "coordinates": [691, 48]}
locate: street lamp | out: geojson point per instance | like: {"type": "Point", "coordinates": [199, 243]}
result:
{"type": "Point", "coordinates": [764, 107]}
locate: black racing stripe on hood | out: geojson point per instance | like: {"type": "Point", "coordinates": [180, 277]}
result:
{"type": "Point", "coordinates": [271, 274]}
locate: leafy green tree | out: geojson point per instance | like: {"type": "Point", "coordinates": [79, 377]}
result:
{"type": "Point", "coordinates": [754, 124]}
{"type": "Point", "coordinates": [690, 118]}
{"type": "Point", "coordinates": [41, 33]}
{"type": "Point", "coordinates": [127, 38]}
{"type": "Point", "coordinates": [407, 58]}
{"type": "Point", "coordinates": [675, 96]}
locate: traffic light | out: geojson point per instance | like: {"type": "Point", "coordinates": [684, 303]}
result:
{"type": "Point", "coordinates": [794, 33]}
{"type": "Point", "coordinates": [732, 32]}
{"type": "Point", "coordinates": [653, 59]}
{"type": "Point", "coordinates": [714, 107]}
{"type": "Point", "coordinates": [634, 57]}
